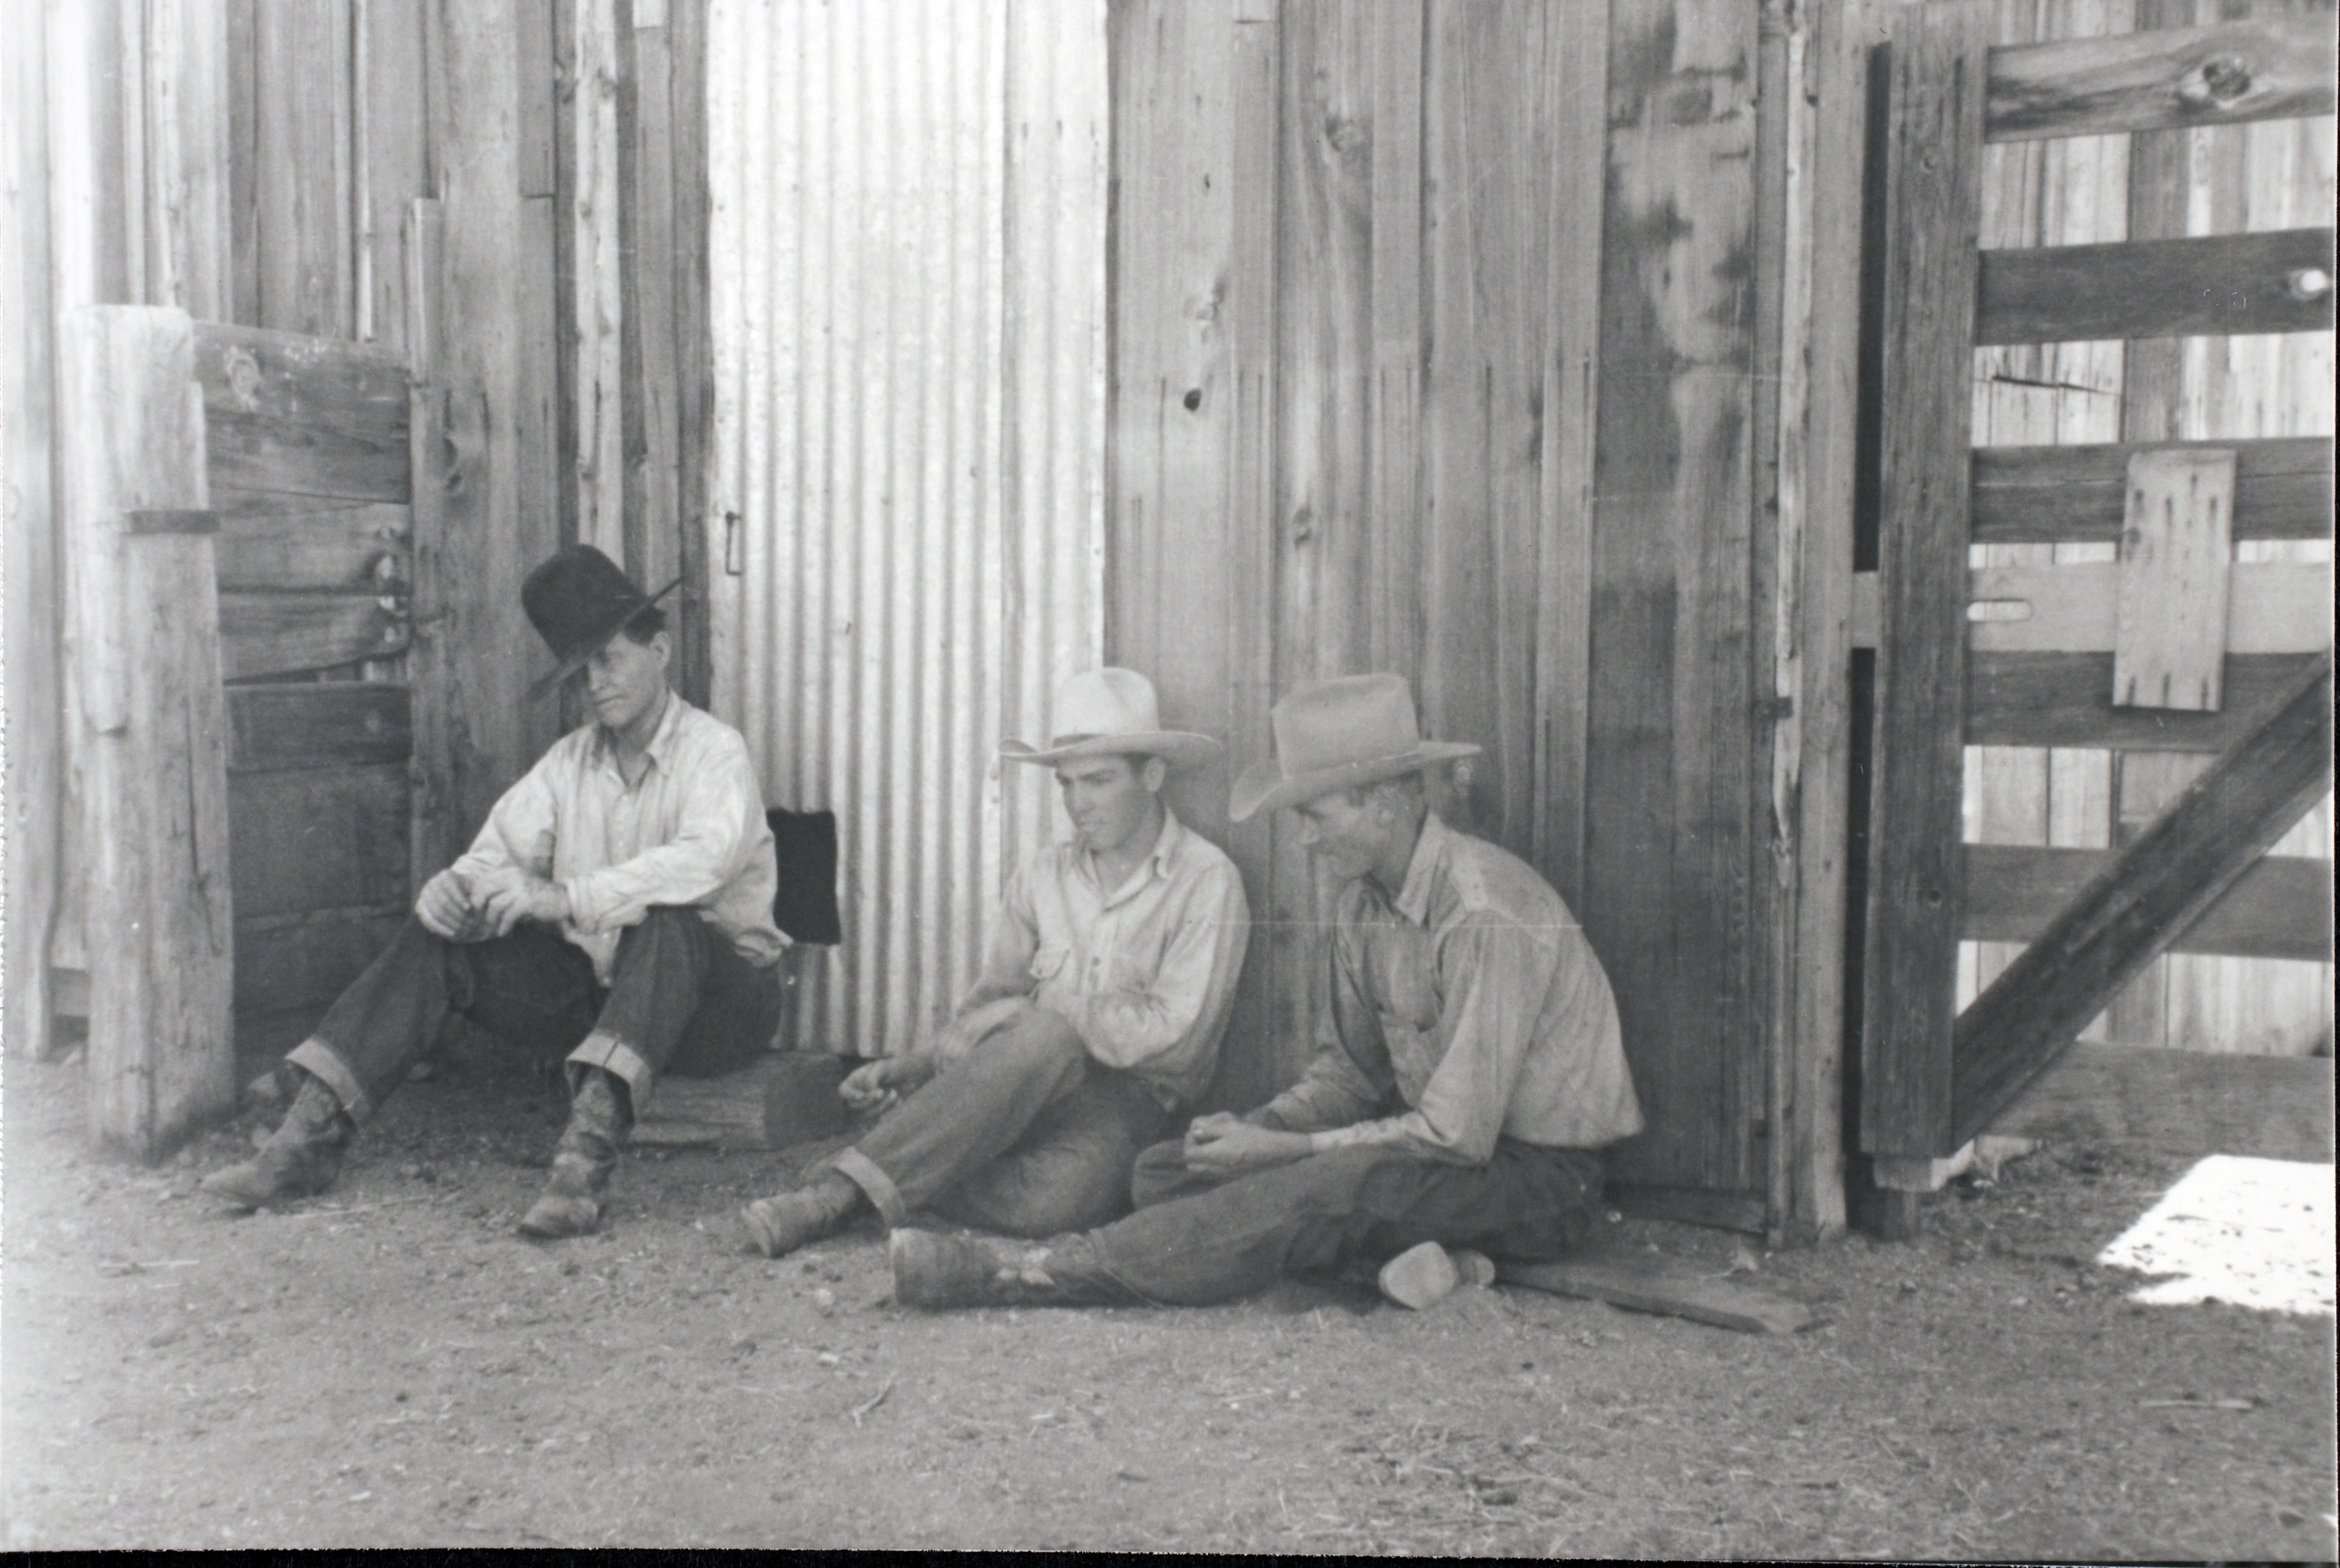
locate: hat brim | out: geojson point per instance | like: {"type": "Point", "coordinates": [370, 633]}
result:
{"type": "Point", "coordinates": [1179, 748]}
{"type": "Point", "coordinates": [1262, 788]}
{"type": "Point", "coordinates": [578, 661]}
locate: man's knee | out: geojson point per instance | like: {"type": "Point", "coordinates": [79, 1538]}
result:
{"type": "Point", "coordinates": [1040, 1042]}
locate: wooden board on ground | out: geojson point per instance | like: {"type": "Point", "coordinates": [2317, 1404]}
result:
{"type": "Point", "coordinates": [787, 1097]}
{"type": "Point", "coordinates": [1663, 1288]}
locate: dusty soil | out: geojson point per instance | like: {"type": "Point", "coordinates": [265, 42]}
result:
{"type": "Point", "coordinates": [390, 1365]}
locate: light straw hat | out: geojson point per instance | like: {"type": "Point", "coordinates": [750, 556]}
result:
{"type": "Point", "coordinates": [1339, 735]}
{"type": "Point", "coordinates": [1109, 713]}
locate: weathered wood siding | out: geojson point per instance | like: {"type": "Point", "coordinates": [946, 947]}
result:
{"type": "Point", "coordinates": [1460, 381]}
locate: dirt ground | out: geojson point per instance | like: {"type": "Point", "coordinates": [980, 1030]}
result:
{"type": "Point", "coordinates": [390, 1365]}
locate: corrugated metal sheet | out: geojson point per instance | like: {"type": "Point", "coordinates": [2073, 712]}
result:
{"type": "Point", "coordinates": [906, 528]}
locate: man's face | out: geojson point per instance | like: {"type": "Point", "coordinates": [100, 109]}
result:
{"type": "Point", "coordinates": [1109, 798]}
{"type": "Point", "coordinates": [1348, 837]}
{"type": "Point", "coordinates": [625, 678]}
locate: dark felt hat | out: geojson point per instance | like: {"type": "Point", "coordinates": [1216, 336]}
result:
{"type": "Point", "coordinates": [576, 601]}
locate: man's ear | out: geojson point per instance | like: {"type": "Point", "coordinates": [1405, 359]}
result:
{"type": "Point", "coordinates": [1154, 771]}
{"type": "Point", "coordinates": [663, 641]}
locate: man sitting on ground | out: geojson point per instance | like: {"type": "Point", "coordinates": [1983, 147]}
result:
{"type": "Point", "coordinates": [616, 908]}
{"type": "Point", "coordinates": [1466, 1072]}
{"type": "Point", "coordinates": [1110, 974]}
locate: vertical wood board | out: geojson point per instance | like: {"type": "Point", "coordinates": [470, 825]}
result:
{"type": "Point", "coordinates": [2176, 555]}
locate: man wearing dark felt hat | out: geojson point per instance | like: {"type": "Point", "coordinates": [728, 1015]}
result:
{"type": "Point", "coordinates": [1467, 1071]}
{"type": "Point", "coordinates": [616, 910]}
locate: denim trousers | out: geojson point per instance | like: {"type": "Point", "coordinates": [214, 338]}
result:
{"type": "Point", "coordinates": [1200, 1237]}
{"type": "Point", "coordinates": [680, 999]}
{"type": "Point", "coordinates": [1025, 1135]}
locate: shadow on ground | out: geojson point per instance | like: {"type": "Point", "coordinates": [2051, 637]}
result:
{"type": "Point", "coordinates": [390, 1365]}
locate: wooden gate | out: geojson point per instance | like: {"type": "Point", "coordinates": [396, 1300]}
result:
{"type": "Point", "coordinates": [2172, 647]}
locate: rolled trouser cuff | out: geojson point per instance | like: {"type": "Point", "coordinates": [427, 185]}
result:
{"type": "Point", "coordinates": [605, 1050]}
{"type": "Point", "coordinates": [863, 1172]}
{"type": "Point", "coordinates": [318, 1059]}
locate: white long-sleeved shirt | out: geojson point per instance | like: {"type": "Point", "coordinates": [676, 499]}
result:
{"type": "Point", "coordinates": [1144, 973]}
{"type": "Point", "coordinates": [690, 833]}
{"type": "Point", "coordinates": [1470, 1008]}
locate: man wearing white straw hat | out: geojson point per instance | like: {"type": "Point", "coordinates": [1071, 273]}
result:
{"type": "Point", "coordinates": [1106, 986]}
{"type": "Point", "coordinates": [1466, 1073]}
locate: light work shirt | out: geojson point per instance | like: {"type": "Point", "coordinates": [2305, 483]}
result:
{"type": "Point", "coordinates": [690, 834]}
{"type": "Point", "coordinates": [1144, 973]}
{"type": "Point", "coordinates": [1475, 1003]}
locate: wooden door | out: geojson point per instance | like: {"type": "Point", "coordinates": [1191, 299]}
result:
{"type": "Point", "coordinates": [2170, 647]}
{"type": "Point", "coordinates": [311, 465]}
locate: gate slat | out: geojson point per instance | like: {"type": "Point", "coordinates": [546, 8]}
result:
{"type": "Point", "coordinates": [2280, 908]}
{"type": "Point", "coordinates": [2149, 893]}
{"type": "Point", "coordinates": [2034, 699]}
{"type": "Point", "coordinates": [2230, 284]}
{"type": "Point", "coordinates": [2164, 79]}
{"type": "Point", "coordinates": [2051, 495]}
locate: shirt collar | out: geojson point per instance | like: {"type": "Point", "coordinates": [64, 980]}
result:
{"type": "Point", "coordinates": [1157, 859]}
{"type": "Point", "coordinates": [1429, 854]}
{"type": "Point", "coordinates": [660, 750]}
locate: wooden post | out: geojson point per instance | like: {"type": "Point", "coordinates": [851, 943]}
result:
{"type": "Point", "coordinates": [36, 705]}
{"type": "Point", "coordinates": [432, 840]}
{"type": "Point", "coordinates": [1934, 153]}
{"type": "Point", "coordinates": [153, 724]}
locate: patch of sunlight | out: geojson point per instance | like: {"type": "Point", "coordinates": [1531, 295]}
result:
{"type": "Point", "coordinates": [2250, 1232]}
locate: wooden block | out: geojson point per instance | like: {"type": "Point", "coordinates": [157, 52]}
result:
{"type": "Point", "coordinates": [2279, 908]}
{"type": "Point", "coordinates": [2179, 1102]}
{"type": "Point", "coordinates": [2176, 552]}
{"type": "Point", "coordinates": [1666, 1288]}
{"type": "Point", "coordinates": [302, 416]}
{"type": "Point", "coordinates": [2161, 79]}
{"type": "Point", "coordinates": [787, 1097]}
{"type": "Point", "coordinates": [2223, 284]}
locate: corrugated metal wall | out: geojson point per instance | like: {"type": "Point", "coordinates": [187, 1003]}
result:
{"type": "Point", "coordinates": [905, 529]}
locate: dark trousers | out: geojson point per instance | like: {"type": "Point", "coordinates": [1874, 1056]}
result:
{"type": "Point", "coordinates": [1197, 1237]}
{"type": "Point", "coordinates": [1025, 1135]}
{"type": "Point", "coordinates": [679, 1000]}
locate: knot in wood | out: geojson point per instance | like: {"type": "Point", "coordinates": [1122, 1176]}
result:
{"type": "Point", "coordinates": [2224, 79]}
{"type": "Point", "coordinates": [2309, 283]}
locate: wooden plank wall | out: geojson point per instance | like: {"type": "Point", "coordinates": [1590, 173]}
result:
{"type": "Point", "coordinates": [261, 162]}
{"type": "Point", "coordinates": [2267, 176]}
{"type": "Point", "coordinates": [1461, 383]}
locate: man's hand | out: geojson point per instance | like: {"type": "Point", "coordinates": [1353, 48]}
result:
{"type": "Point", "coordinates": [444, 907]}
{"type": "Point", "coordinates": [1224, 1145]}
{"type": "Point", "coordinates": [878, 1085]}
{"type": "Point", "coordinates": [524, 898]}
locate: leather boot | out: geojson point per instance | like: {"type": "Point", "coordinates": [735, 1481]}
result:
{"type": "Point", "coordinates": [570, 1204]}
{"type": "Point", "coordinates": [301, 1157]}
{"type": "Point", "coordinates": [932, 1269]}
{"type": "Point", "coordinates": [778, 1225]}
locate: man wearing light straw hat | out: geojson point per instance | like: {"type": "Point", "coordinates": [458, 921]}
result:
{"type": "Point", "coordinates": [1467, 1071]}
{"type": "Point", "coordinates": [1109, 976]}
